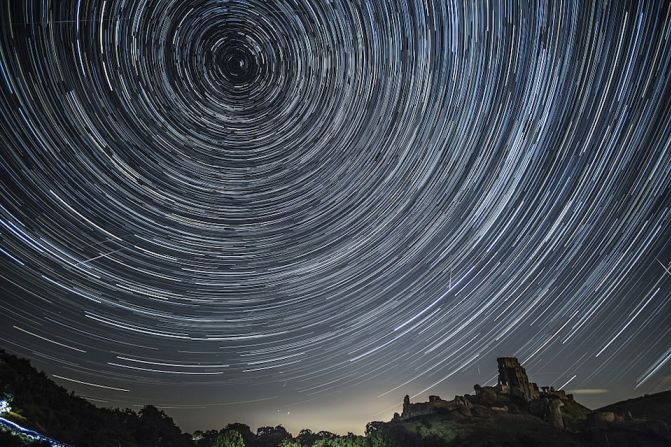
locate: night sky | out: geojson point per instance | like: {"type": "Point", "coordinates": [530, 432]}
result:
{"type": "Point", "coordinates": [295, 212]}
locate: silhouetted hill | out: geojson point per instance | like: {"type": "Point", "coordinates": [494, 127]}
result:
{"type": "Point", "coordinates": [43, 406]}
{"type": "Point", "coordinates": [491, 430]}
{"type": "Point", "coordinates": [655, 407]}
{"type": "Point", "coordinates": [498, 429]}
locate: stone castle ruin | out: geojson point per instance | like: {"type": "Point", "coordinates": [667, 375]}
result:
{"type": "Point", "coordinates": [513, 379]}
{"type": "Point", "coordinates": [513, 393]}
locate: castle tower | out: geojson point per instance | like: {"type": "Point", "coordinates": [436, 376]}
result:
{"type": "Point", "coordinates": [513, 379]}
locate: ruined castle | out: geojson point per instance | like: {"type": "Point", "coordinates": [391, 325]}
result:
{"type": "Point", "coordinates": [513, 392]}
{"type": "Point", "coordinates": [513, 380]}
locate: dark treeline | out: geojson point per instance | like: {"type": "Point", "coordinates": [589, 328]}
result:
{"type": "Point", "coordinates": [40, 404]}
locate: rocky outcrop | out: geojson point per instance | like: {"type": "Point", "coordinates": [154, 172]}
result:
{"type": "Point", "coordinates": [553, 413]}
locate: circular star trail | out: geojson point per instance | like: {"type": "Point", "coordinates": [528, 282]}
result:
{"type": "Point", "coordinates": [235, 208]}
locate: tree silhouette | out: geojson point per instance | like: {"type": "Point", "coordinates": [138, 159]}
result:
{"type": "Point", "coordinates": [271, 436]}
{"type": "Point", "coordinates": [229, 438]}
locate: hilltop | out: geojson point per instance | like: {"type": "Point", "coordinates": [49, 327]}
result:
{"type": "Point", "coordinates": [651, 406]}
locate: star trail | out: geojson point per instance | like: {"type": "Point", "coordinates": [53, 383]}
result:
{"type": "Point", "coordinates": [297, 211]}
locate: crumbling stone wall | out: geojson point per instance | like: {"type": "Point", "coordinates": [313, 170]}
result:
{"type": "Point", "coordinates": [513, 379]}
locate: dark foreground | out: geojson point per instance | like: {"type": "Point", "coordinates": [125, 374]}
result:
{"type": "Point", "coordinates": [511, 414]}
